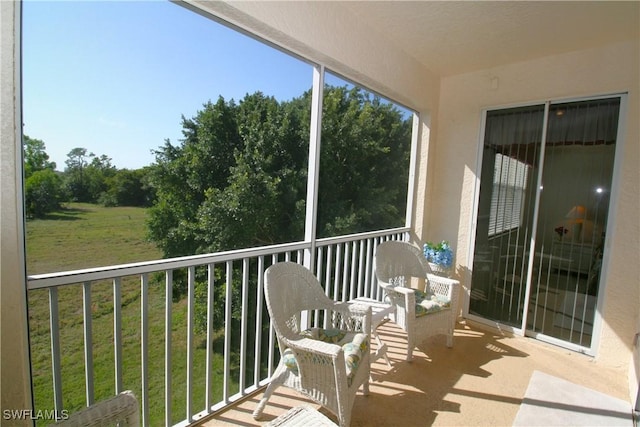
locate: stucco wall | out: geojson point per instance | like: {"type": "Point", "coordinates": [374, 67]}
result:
{"type": "Point", "coordinates": [606, 70]}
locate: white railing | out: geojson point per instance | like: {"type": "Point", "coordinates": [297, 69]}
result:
{"type": "Point", "coordinates": [344, 266]}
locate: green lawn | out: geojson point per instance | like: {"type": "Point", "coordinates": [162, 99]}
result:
{"type": "Point", "coordinates": [63, 240]}
{"type": "Point", "coordinates": [83, 236]}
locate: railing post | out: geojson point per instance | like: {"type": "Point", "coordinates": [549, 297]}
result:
{"type": "Point", "coordinates": [168, 301]}
{"type": "Point", "coordinates": [211, 276]}
{"type": "Point", "coordinates": [88, 342]}
{"type": "Point", "coordinates": [243, 324]}
{"type": "Point", "coordinates": [117, 334]}
{"type": "Point", "coordinates": [55, 349]}
{"type": "Point", "coordinates": [367, 276]}
{"type": "Point", "coordinates": [361, 274]}
{"type": "Point", "coordinates": [144, 352]}
{"type": "Point", "coordinates": [190, 315]}
{"type": "Point", "coordinates": [258, 339]}
{"type": "Point", "coordinates": [227, 331]}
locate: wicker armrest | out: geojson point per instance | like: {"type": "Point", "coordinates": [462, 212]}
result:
{"type": "Point", "coordinates": [409, 300]}
{"type": "Point", "coordinates": [404, 299]}
{"type": "Point", "coordinates": [317, 347]}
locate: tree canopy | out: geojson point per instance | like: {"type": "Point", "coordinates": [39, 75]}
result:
{"type": "Point", "coordinates": [35, 156]}
{"type": "Point", "coordinates": [238, 178]}
{"type": "Point", "coordinates": [364, 165]}
{"type": "Point", "coordinates": [86, 175]}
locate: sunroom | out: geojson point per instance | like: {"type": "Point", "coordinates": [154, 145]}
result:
{"type": "Point", "coordinates": [542, 214]}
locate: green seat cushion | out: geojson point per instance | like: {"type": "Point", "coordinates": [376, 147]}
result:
{"type": "Point", "coordinates": [332, 336]}
{"type": "Point", "coordinates": [427, 303]}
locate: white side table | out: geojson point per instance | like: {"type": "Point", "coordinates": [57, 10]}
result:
{"type": "Point", "coordinates": [379, 315]}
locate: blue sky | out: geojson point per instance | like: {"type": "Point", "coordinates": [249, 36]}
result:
{"type": "Point", "coordinates": [115, 77]}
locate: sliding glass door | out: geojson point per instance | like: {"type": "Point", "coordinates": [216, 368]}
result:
{"type": "Point", "coordinates": [542, 211]}
{"type": "Point", "coordinates": [505, 219]}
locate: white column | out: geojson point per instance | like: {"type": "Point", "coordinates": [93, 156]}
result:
{"type": "Point", "coordinates": [15, 383]}
{"type": "Point", "coordinates": [313, 165]}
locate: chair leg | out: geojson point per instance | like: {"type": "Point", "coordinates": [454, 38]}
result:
{"type": "Point", "coordinates": [450, 338]}
{"type": "Point", "coordinates": [277, 380]}
{"type": "Point", "coordinates": [257, 413]}
{"type": "Point", "coordinates": [344, 421]}
{"type": "Point", "coordinates": [410, 345]}
{"type": "Point", "coordinates": [382, 349]}
{"type": "Point", "coordinates": [365, 387]}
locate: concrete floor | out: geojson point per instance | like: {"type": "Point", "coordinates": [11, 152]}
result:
{"type": "Point", "coordinates": [481, 381]}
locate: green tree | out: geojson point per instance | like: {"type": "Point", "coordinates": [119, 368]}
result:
{"type": "Point", "coordinates": [35, 156]}
{"type": "Point", "coordinates": [183, 176]}
{"type": "Point", "coordinates": [43, 186]}
{"type": "Point", "coordinates": [263, 201]}
{"type": "Point", "coordinates": [96, 176]}
{"type": "Point", "coordinates": [219, 189]}
{"type": "Point", "coordinates": [86, 175]}
{"type": "Point", "coordinates": [77, 161]}
{"type": "Point", "coordinates": [43, 193]}
{"type": "Point", "coordinates": [128, 188]}
{"type": "Point", "coordinates": [238, 179]}
{"type": "Point", "coordinates": [364, 164]}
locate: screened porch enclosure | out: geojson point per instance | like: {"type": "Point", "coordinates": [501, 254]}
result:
{"type": "Point", "coordinates": [542, 215]}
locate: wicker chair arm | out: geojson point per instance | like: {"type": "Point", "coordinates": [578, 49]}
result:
{"type": "Point", "coordinates": [316, 347]}
{"type": "Point", "coordinates": [404, 291]}
{"type": "Point", "coordinates": [403, 298]}
{"type": "Point", "coordinates": [390, 289]}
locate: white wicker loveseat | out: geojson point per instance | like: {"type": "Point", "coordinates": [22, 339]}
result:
{"type": "Point", "coordinates": [326, 372]}
{"type": "Point", "coordinates": [420, 314]}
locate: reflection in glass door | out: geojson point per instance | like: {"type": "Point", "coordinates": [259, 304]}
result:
{"type": "Point", "coordinates": [542, 213]}
{"type": "Point", "coordinates": [505, 212]}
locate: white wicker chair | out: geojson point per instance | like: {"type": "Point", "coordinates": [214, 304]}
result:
{"type": "Point", "coordinates": [321, 373]}
{"type": "Point", "coordinates": [396, 263]}
{"type": "Point", "coordinates": [121, 410]}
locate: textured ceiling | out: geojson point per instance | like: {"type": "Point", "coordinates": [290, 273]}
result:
{"type": "Point", "coordinates": [453, 37]}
